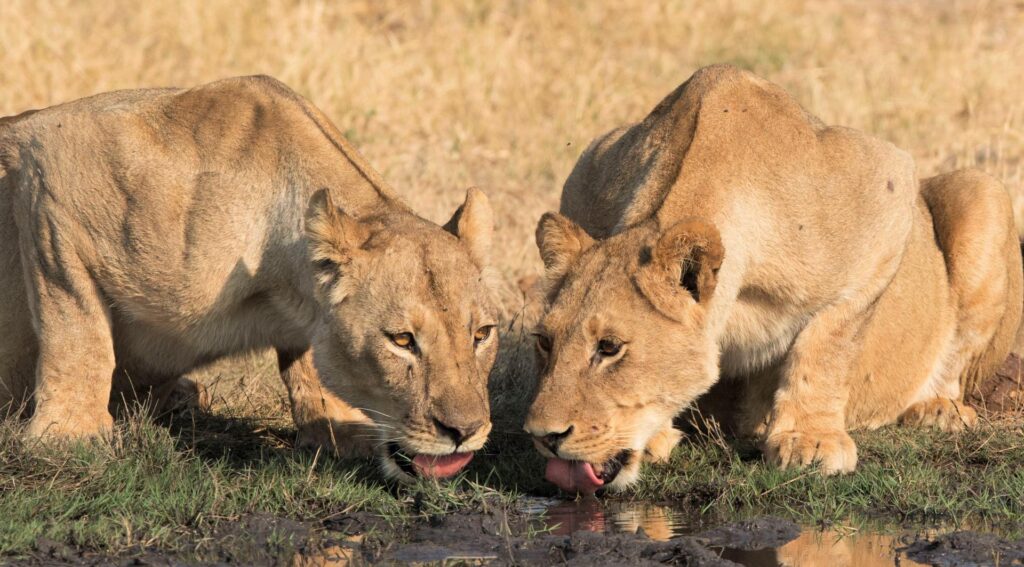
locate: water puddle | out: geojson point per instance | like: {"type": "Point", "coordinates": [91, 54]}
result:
{"type": "Point", "coordinates": [812, 548]}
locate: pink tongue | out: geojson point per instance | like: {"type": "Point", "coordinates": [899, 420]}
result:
{"type": "Point", "coordinates": [573, 476]}
{"type": "Point", "coordinates": [440, 466]}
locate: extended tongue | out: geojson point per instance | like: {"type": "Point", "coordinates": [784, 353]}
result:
{"type": "Point", "coordinates": [573, 476]}
{"type": "Point", "coordinates": [440, 466]}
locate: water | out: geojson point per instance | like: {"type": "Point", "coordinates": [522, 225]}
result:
{"type": "Point", "coordinates": [813, 548]}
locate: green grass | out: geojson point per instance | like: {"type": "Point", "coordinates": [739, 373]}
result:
{"type": "Point", "coordinates": [163, 488]}
{"type": "Point", "coordinates": [904, 476]}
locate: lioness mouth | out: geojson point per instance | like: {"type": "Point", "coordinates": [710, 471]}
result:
{"type": "Point", "coordinates": [429, 466]}
{"type": "Point", "coordinates": [583, 477]}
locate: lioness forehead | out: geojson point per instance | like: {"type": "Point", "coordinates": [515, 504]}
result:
{"type": "Point", "coordinates": [601, 282]}
{"type": "Point", "coordinates": [434, 270]}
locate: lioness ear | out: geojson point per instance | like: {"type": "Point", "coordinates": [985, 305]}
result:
{"type": "Point", "coordinates": [560, 241]}
{"type": "Point", "coordinates": [473, 224]}
{"type": "Point", "coordinates": [686, 258]}
{"type": "Point", "coordinates": [335, 238]}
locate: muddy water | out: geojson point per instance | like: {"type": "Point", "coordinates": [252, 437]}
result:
{"type": "Point", "coordinates": [812, 548]}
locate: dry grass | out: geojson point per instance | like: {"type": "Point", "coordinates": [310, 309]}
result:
{"type": "Point", "coordinates": [504, 95]}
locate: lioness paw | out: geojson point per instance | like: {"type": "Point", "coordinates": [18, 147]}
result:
{"type": "Point", "coordinates": [659, 448]}
{"type": "Point", "coordinates": [834, 451]}
{"type": "Point", "coordinates": [348, 440]}
{"type": "Point", "coordinates": [69, 427]}
{"type": "Point", "coordinates": [940, 413]}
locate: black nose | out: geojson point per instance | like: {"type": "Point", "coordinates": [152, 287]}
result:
{"type": "Point", "coordinates": [457, 434]}
{"type": "Point", "coordinates": [553, 440]}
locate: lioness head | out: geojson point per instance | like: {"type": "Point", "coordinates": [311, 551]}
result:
{"type": "Point", "coordinates": [408, 333]}
{"type": "Point", "coordinates": [623, 344]}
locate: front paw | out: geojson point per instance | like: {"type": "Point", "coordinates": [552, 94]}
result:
{"type": "Point", "coordinates": [346, 439]}
{"type": "Point", "coordinates": [834, 451]}
{"type": "Point", "coordinates": [659, 448]}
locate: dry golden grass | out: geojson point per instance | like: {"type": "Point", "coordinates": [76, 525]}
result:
{"type": "Point", "coordinates": [505, 95]}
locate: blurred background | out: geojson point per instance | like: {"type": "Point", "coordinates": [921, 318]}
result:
{"type": "Point", "coordinates": [442, 95]}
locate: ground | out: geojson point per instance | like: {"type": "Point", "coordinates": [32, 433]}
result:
{"type": "Point", "coordinates": [505, 95]}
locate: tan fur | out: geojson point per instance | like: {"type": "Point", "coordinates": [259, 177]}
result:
{"type": "Point", "coordinates": [146, 232]}
{"type": "Point", "coordinates": [732, 235]}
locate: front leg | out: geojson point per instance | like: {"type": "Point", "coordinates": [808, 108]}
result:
{"type": "Point", "coordinates": [322, 419]}
{"type": "Point", "coordinates": [807, 423]}
{"type": "Point", "coordinates": [659, 448]}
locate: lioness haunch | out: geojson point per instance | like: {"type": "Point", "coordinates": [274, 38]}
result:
{"type": "Point", "coordinates": [732, 237]}
{"type": "Point", "coordinates": [147, 232]}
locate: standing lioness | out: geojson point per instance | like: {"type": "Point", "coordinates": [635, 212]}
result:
{"type": "Point", "coordinates": [731, 234]}
{"type": "Point", "coordinates": [146, 232]}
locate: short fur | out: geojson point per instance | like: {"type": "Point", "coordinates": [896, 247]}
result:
{"type": "Point", "coordinates": [147, 232]}
{"type": "Point", "coordinates": [731, 234]}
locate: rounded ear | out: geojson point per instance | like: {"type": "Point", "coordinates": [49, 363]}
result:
{"type": "Point", "coordinates": [335, 241]}
{"type": "Point", "coordinates": [686, 258]}
{"type": "Point", "coordinates": [560, 241]}
{"type": "Point", "coordinates": [473, 225]}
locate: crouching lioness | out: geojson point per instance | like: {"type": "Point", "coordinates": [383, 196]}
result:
{"type": "Point", "coordinates": [730, 234]}
{"type": "Point", "coordinates": [143, 233]}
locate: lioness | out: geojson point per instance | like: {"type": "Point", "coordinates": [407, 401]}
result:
{"type": "Point", "coordinates": [147, 232]}
{"type": "Point", "coordinates": [731, 234]}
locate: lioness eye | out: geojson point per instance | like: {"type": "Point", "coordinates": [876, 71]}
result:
{"type": "Point", "coordinates": [404, 340]}
{"type": "Point", "coordinates": [543, 343]}
{"type": "Point", "coordinates": [609, 346]}
{"type": "Point", "coordinates": [482, 334]}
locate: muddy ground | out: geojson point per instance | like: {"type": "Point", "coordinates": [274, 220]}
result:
{"type": "Point", "coordinates": [499, 537]}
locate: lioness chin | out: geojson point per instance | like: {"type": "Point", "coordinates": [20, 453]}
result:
{"type": "Point", "coordinates": [147, 232]}
{"type": "Point", "coordinates": [731, 236]}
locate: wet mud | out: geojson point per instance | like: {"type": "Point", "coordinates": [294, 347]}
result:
{"type": "Point", "coordinates": [553, 532]}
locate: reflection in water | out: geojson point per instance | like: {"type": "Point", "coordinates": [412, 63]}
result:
{"type": "Point", "coordinates": [335, 555]}
{"type": "Point", "coordinates": [812, 548]}
{"type": "Point", "coordinates": [827, 548]}
{"type": "Point", "coordinates": [592, 515]}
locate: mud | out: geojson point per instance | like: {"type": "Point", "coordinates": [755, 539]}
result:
{"type": "Point", "coordinates": [548, 532]}
{"type": "Point", "coordinates": [966, 548]}
{"type": "Point", "coordinates": [1003, 391]}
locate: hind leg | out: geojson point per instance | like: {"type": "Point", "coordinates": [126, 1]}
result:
{"type": "Point", "coordinates": [18, 346]}
{"type": "Point", "coordinates": [941, 413]}
{"type": "Point", "coordinates": [159, 395]}
{"type": "Point", "coordinates": [974, 228]}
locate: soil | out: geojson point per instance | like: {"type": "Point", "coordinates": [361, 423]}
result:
{"type": "Point", "coordinates": [494, 536]}
{"type": "Point", "coordinates": [1002, 392]}
{"type": "Point", "coordinates": [966, 548]}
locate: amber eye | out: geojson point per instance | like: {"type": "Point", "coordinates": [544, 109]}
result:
{"type": "Point", "coordinates": [404, 340]}
{"type": "Point", "coordinates": [543, 343]}
{"type": "Point", "coordinates": [609, 346]}
{"type": "Point", "coordinates": [482, 334]}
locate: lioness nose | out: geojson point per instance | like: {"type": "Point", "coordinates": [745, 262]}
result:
{"type": "Point", "coordinates": [554, 439]}
{"type": "Point", "coordinates": [457, 434]}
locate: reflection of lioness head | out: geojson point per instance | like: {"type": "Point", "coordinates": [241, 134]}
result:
{"type": "Point", "coordinates": [621, 344]}
{"type": "Point", "coordinates": [409, 333]}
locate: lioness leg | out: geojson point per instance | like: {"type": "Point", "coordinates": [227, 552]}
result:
{"type": "Point", "coordinates": [322, 419]}
{"type": "Point", "coordinates": [940, 413]}
{"type": "Point", "coordinates": [160, 395]}
{"type": "Point", "coordinates": [807, 422]}
{"type": "Point", "coordinates": [18, 345]}
{"type": "Point", "coordinates": [973, 220]}
{"type": "Point", "coordinates": [76, 355]}
{"type": "Point", "coordinates": [659, 448]}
